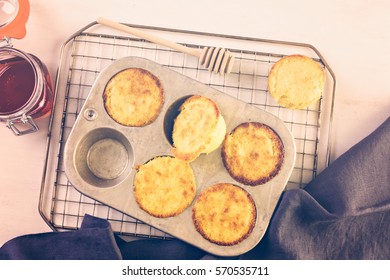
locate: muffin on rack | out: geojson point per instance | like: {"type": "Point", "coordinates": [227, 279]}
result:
{"type": "Point", "coordinates": [252, 153]}
{"type": "Point", "coordinates": [198, 128]}
{"type": "Point", "coordinates": [224, 214]}
{"type": "Point", "coordinates": [133, 97]}
{"type": "Point", "coordinates": [164, 186]}
{"type": "Point", "coordinates": [296, 81]}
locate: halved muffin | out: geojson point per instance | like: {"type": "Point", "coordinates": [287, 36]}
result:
{"type": "Point", "coordinates": [224, 214]}
{"type": "Point", "coordinates": [133, 97]}
{"type": "Point", "coordinates": [198, 128]}
{"type": "Point", "coordinates": [296, 81]}
{"type": "Point", "coordinates": [164, 186]}
{"type": "Point", "coordinates": [252, 153]}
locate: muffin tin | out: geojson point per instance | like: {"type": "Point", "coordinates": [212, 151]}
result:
{"type": "Point", "coordinates": [108, 176]}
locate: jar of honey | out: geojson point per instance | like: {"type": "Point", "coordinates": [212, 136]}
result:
{"type": "Point", "coordinates": [26, 91]}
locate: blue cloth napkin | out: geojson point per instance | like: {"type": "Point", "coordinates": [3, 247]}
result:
{"type": "Point", "coordinates": [93, 241]}
{"type": "Point", "coordinates": [344, 213]}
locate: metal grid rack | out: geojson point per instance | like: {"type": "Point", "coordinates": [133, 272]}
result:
{"type": "Point", "coordinates": [85, 54]}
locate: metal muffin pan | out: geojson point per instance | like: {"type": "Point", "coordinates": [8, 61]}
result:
{"type": "Point", "coordinates": [100, 154]}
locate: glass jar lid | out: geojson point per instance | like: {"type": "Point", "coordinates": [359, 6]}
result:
{"type": "Point", "coordinates": [8, 11]}
{"type": "Point", "coordinates": [13, 18]}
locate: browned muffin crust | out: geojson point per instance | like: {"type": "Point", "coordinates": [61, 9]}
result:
{"type": "Point", "coordinates": [133, 97]}
{"type": "Point", "coordinates": [252, 153]}
{"type": "Point", "coordinates": [224, 214]}
{"type": "Point", "coordinates": [164, 186]}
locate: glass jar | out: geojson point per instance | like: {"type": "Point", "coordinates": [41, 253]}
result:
{"type": "Point", "coordinates": [26, 91]}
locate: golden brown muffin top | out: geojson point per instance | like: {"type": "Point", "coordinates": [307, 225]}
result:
{"type": "Point", "coordinates": [133, 97]}
{"type": "Point", "coordinates": [164, 186]}
{"type": "Point", "coordinates": [252, 153]}
{"type": "Point", "coordinates": [224, 214]}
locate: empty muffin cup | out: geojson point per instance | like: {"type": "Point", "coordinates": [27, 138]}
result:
{"type": "Point", "coordinates": [104, 157]}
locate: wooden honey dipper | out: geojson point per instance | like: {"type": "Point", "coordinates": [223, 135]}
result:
{"type": "Point", "coordinates": [215, 59]}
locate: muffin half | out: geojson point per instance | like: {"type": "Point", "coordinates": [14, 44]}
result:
{"type": "Point", "coordinates": [198, 128]}
{"type": "Point", "coordinates": [296, 81]}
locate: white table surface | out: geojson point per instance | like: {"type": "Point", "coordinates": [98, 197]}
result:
{"type": "Point", "coordinates": [353, 36]}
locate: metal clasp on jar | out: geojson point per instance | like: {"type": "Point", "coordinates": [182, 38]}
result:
{"type": "Point", "coordinates": [24, 120]}
{"type": "Point", "coordinates": [6, 42]}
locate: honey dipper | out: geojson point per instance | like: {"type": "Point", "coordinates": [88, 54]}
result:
{"type": "Point", "coordinates": [215, 59]}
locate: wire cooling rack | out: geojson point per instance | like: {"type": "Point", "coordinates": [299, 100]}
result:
{"type": "Point", "coordinates": [93, 48]}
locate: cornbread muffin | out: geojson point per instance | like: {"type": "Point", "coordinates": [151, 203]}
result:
{"type": "Point", "coordinates": [296, 81]}
{"type": "Point", "coordinates": [133, 97]}
{"type": "Point", "coordinates": [252, 153]}
{"type": "Point", "coordinates": [199, 128]}
{"type": "Point", "coordinates": [164, 186]}
{"type": "Point", "coordinates": [224, 214]}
